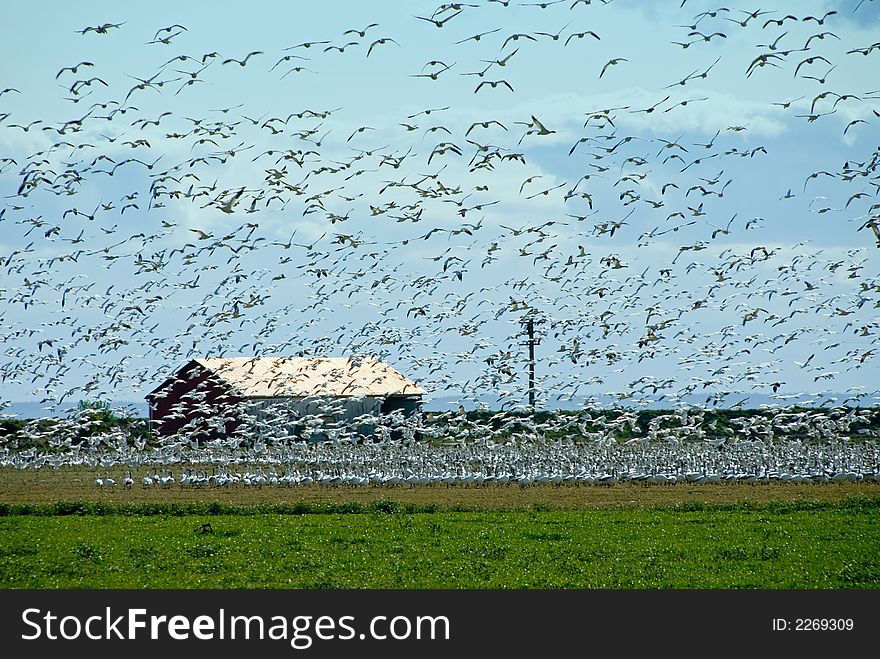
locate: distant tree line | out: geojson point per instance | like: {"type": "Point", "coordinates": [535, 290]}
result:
{"type": "Point", "coordinates": [91, 420]}
{"type": "Point", "coordinates": [96, 422]}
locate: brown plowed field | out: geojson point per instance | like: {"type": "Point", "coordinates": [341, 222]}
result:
{"type": "Point", "coordinates": [78, 483]}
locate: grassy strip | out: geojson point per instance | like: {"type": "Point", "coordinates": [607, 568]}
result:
{"type": "Point", "coordinates": [387, 506]}
{"type": "Point", "coordinates": [179, 509]}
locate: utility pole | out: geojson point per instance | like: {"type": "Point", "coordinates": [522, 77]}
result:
{"type": "Point", "coordinates": [531, 342]}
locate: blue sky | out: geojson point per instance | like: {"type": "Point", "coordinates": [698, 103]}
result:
{"type": "Point", "coordinates": [682, 201]}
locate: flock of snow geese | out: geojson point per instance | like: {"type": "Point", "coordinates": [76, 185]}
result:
{"type": "Point", "coordinates": [163, 206]}
{"type": "Point", "coordinates": [798, 448]}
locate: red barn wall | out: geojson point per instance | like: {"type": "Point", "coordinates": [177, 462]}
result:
{"type": "Point", "coordinates": [196, 403]}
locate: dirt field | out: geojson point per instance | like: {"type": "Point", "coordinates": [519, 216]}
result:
{"type": "Point", "coordinates": [78, 483]}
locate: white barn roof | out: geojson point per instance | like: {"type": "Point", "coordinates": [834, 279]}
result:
{"type": "Point", "coordinates": [300, 377]}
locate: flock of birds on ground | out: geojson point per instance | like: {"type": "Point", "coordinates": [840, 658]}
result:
{"type": "Point", "coordinates": [510, 463]}
{"type": "Point", "coordinates": [456, 449]}
{"type": "Point", "coordinates": [140, 231]}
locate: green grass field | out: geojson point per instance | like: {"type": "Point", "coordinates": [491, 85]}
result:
{"type": "Point", "coordinates": [799, 545]}
{"type": "Point", "coordinates": [58, 530]}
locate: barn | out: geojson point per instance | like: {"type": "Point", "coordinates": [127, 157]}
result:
{"type": "Point", "coordinates": [294, 398]}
